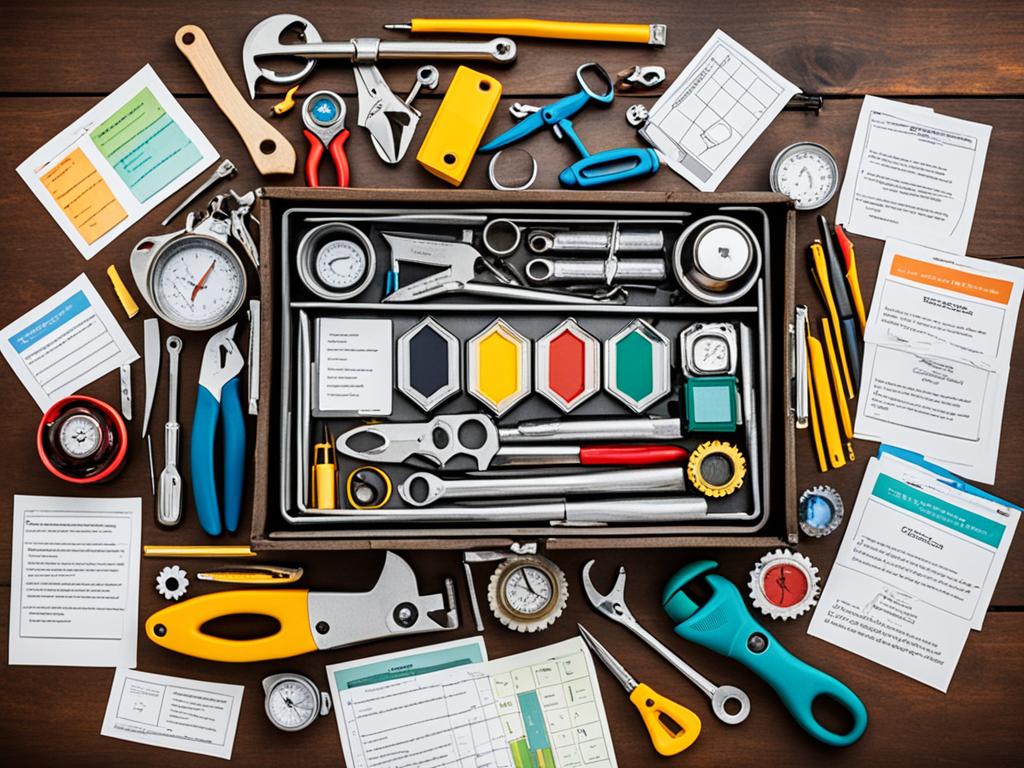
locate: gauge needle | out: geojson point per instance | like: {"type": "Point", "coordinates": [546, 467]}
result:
{"type": "Point", "coordinates": [202, 280]}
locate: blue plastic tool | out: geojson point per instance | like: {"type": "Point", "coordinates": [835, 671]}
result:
{"type": "Point", "coordinates": [219, 401]}
{"type": "Point", "coordinates": [724, 625]}
{"type": "Point", "coordinates": [592, 170]}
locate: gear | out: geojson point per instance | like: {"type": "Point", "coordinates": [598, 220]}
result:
{"type": "Point", "coordinates": [821, 510]}
{"type": "Point", "coordinates": [784, 584]}
{"type": "Point", "coordinates": [716, 469]}
{"type": "Point", "coordinates": [172, 582]}
{"type": "Point", "coordinates": [527, 593]}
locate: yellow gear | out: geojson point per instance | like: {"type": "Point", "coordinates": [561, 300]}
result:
{"type": "Point", "coordinates": [717, 451]}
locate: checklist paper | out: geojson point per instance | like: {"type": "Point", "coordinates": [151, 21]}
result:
{"type": "Point", "coordinates": [65, 343]}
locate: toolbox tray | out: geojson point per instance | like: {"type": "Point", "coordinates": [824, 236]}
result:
{"type": "Point", "coordinates": [277, 524]}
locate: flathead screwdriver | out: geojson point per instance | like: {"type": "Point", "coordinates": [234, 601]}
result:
{"type": "Point", "coordinates": [224, 171]}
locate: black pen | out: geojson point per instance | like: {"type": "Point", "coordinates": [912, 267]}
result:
{"type": "Point", "coordinates": [844, 304]}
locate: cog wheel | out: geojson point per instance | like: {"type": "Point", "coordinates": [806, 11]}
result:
{"type": "Point", "coordinates": [784, 584]}
{"type": "Point", "coordinates": [716, 468]}
{"type": "Point", "coordinates": [172, 582]}
{"type": "Point", "coordinates": [821, 510]}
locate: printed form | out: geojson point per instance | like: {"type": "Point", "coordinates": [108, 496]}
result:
{"type": "Point", "coordinates": [75, 581]}
{"type": "Point", "coordinates": [353, 367]}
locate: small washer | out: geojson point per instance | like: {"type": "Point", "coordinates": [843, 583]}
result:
{"type": "Point", "coordinates": [494, 177]}
{"type": "Point", "coordinates": [498, 229]}
{"type": "Point", "coordinates": [172, 582]}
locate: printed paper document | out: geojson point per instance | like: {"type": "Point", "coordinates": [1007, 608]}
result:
{"type": "Point", "coordinates": [913, 175]}
{"type": "Point", "coordinates": [75, 581]}
{"type": "Point", "coordinates": [353, 367]}
{"type": "Point", "coordinates": [65, 343]}
{"type": "Point", "coordinates": [117, 162]}
{"type": "Point", "coordinates": [937, 356]}
{"type": "Point", "coordinates": [172, 712]}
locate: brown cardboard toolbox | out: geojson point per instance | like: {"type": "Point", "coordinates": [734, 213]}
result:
{"type": "Point", "coordinates": [762, 513]}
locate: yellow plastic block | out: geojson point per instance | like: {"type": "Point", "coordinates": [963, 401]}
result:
{"type": "Point", "coordinates": [459, 125]}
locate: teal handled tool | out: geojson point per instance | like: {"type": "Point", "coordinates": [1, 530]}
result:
{"type": "Point", "coordinates": [591, 170]}
{"type": "Point", "coordinates": [723, 624]}
{"type": "Point", "coordinates": [219, 401]}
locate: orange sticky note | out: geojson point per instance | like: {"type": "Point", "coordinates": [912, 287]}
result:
{"type": "Point", "coordinates": [84, 196]}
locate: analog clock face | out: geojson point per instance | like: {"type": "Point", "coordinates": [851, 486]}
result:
{"type": "Point", "coordinates": [80, 436]}
{"type": "Point", "coordinates": [292, 704]}
{"type": "Point", "coordinates": [808, 174]}
{"type": "Point", "coordinates": [341, 264]}
{"type": "Point", "coordinates": [785, 585]}
{"type": "Point", "coordinates": [528, 590]}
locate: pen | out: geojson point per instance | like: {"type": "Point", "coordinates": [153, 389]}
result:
{"type": "Point", "coordinates": [171, 550]}
{"type": "Point", "coordinates": [844, 411]}
{"type": "Point", "coordinates": [826, 409]}
{"type": "Point", "coordinates": [841, 296]}
{"type": "Point", "coordinates": [819, 271]}
{"type": "Point", "coordinates": [846, 246]}
{"type": "Point", "coordinates": [645, 34]}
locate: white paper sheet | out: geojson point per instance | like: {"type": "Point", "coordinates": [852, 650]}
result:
{"type": "Point", "coordinates": [715, 110]}
{"type": "Point", "coordinates": [937, 352]}
{"type": "Point", "coordinates": [913, 175]}
{"type": "Point", "coordinates": [354, 361]}
{"type": "Point", "coordinates": [117, 162]}
{"type": "Point", "coordinates": [65, 343]}
{"type": "Point", "coordinates": [914, 573]}
{"type": "Point", "coordinates": [75, 581]}
{"type": "Point", "coordinates": [173, 712]}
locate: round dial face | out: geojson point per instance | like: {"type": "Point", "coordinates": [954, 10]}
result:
{"type": "Point", "coordinates": [711, 354]}
{"type": "Point", "coordinates": [723, 253]}
{"type": "Point", "coordinates": [80, 436]}
{"type": "Point", "coordinates": [341, 264]}
{"type": "Point", "coordinates": [785, 585]}
{"type": "Point", "coordinates": [807, 173]}
{"type": "Point", "coordinates": [528, 590]}
{"type": "Point", "coordinates": [293, 704]}
{"type": "Point", "coordinates": [198, 283]}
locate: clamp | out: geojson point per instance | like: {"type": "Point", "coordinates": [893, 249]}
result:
{"type": "Point", "coordinates": [323, 114]}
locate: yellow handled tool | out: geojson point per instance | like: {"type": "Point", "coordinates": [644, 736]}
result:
{"type": "Point", "coordinates": [813, 408]}
{"type": "Point", "coordinates": [657, 711]}
{"type": "Point", "coordinates": [644, 34]}
{"type": "Point", "coordinates": [826, 409]}
{"type": "Point", "coordinates": [307, 621]}
{"type": "Point", "coordinates": [837, 383]}
{"type": "Point", "coordinates": [819, 271]}
{"type": "Point", "coordinates": [253, 574]}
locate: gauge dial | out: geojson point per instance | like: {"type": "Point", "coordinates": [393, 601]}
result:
{"type": "Point", "coordinates": [292, 704]}
{"type": "Point", "coordinates": [785, 585]}
{"type": "Point", "coordinates": [806, 172]}
{"type": "Point", "coordinates": [711, 353]}
{"type": "Point", "coordinates": [198, 283]}
{"type": "Point", "coordinates": [528, 590]}
{"type": "Point", "coordinates": [527, 593]}
{"type": "Point", "coordinates": [80, 436]}
{"type": "Point", "coordinates": [341, 264]}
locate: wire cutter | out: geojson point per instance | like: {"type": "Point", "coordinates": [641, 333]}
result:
{"type": "Point", "coordinates": [219, 400]}
{"type": "Point", "coordinates": [654, 708]}
{"type": "Point", "coordinates": [323, 114]}
{"type": "Point", "coordinates": [605, 167]}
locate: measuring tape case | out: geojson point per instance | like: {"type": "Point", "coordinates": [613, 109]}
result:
{"type": "Point", "coordinates": [762, 511]}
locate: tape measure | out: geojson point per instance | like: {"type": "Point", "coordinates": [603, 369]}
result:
{"type": "Point", "coordinates": [716, 468]}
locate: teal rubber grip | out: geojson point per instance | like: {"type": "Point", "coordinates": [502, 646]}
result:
{"type": "Point", "coordinates": [204, 486]}
{"type": "Point", "coordinates": [725, 625]}
{"type": "Point", "coordinates": [234, 452]}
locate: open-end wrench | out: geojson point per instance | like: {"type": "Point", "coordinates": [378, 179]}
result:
{"type": "Point", "coordinates": [168, 504]}
{"type": "Point", "coordinates": [223, 171]}
{"type": "Point", "coordinates": [613, 606]}
{"type": "Point", "coordinates": [426, 77]}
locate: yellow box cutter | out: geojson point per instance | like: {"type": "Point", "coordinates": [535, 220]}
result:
{"type": "Point", "coordinates": [308, 621]}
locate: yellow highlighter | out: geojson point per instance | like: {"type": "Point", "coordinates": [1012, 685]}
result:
{"type": "Point", "coordinates": [844, 411]}
{"type": "Point", "coordinates": [826, 410]}
{"type": "Point", "coordinates": [813, 409]}
{"type": "Point", "coordinates": [819, 271]}
{"type": "Point", "coordinates": [654, 708]}
{"type": "Point", "coordinates": [644, 34]}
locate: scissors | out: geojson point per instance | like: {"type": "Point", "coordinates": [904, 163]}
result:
{"type": "Point", "coordinates": [654, 708]}
{"type": "Point", "coordinates": [591, 170]}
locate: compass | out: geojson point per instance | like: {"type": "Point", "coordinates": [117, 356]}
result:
{"type": "Point", "coordinates": [806, 172]}
{"type": "Point", "coordinates": [527, 593]}
{"type": "Point", "coordinates": [336, 261]}
{"type": "Point", "coordinates": [293, 701]}
{"type": "Point", "coordinates": [784, 584]}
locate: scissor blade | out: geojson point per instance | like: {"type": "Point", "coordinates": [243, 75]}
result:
{"type": "Point", "coordinates": [525, 127]}
{"type": "Point", "coordinates": [625, 679]}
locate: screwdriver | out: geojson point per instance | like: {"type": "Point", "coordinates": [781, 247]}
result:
{"type": "Point", "coordinates": [672, 726]}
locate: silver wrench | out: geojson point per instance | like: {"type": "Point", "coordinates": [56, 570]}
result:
{"type": "Point", "coordinates": [613, 606]}
{"type": "Point", "coordinates": [223, 171]}
{"type": "Point", "coordinates": [168, 505]}
{"type": "Point", "coordinates": [426, 77]}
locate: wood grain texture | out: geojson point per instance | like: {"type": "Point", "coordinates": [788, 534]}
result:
{"type": "Point", "coordinates": [933, 51]}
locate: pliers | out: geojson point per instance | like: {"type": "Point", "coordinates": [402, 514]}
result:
{"type": "Point", "coordinates": [219, 400]}
{"type": "Point", "coordinates": [323, 114]}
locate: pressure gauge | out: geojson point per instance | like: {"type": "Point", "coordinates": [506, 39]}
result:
{"type": "Point", "coordinates": [784, 584]}
{"type": "Point", "coordinates": [335, 261]}
{"type": "Point", "coordinates": [527, 593]}
{"type": "Point", "coordinates": [708, 349]}
{"type": "Point", "coordinates": [806, 172]}
{"type": "Point", "coordinates": [193, 279]}
{"type": "Point", "coordinates": [293, 701]}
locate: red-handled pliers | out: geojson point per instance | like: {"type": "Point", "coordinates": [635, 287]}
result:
{"type": "Point", "coordinates": [323, 114]}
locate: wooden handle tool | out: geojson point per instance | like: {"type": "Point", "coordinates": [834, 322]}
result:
{"type": "Point", "coordinates": [271, 152]}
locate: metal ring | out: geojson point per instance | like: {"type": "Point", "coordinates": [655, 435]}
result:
{"type": "Point", "coordinates": [307, 251]}
{"type": "Point", "coordinates": [501, 187]}
{"type": "Point", "coordinates": [516, 240]}
{"type": "Point", "coordinates": [607, 96]}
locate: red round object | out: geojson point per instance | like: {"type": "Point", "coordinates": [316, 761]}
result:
{"type": "Point", "coordinates": [785, 585]}
{"type": "Point", "coordinates": [55, 410]}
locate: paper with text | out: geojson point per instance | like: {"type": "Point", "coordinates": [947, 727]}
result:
{"type": "Point", "coordinates": [354, 360]}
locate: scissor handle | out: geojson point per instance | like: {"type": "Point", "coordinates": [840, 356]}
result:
{"type": "Point", "coordinates": [655, 709]}
{"type": "Point", "coordinates": [602, 73]}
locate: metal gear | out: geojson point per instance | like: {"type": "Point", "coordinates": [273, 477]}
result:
{"type": "Point", "coordinates": [172, 582]}
{"type": "Point", "coordinates": [820, 510]}
{"type": "Point", "coordinates": [716, 468]}
{"type": "Point", "coordinates": [515, 617]}
{"type": "Point", "coordinates": [784, 584]}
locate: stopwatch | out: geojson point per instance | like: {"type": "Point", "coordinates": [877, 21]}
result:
{"type": "Point", "coordinates": [527, 593]}
{"type": "Point", "coordinates": [80, 435]}
{"type": "Point", "coordinates": [293, 701]}
{"type": "Point", "coordinates": [784, 584]}
{"type": "Point", "coordinates": [82, 440]}
{"type": "Point", "coordinates": [806, 172]}
{"type": "Point", "coordinates": [708, 349]}
{"type": "Point", "coordinates": [335, 261]}
{"type": "Point", "coordinates": [193, 279]}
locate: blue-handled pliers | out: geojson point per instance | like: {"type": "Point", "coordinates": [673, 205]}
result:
{"type": "Point", "coordinates": [591, 170]}
{"type": "Point", "coordinates": [219, 400]}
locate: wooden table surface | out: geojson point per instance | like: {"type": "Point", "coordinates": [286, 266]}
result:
{"type": "Point", "coordinates": [961, 58]}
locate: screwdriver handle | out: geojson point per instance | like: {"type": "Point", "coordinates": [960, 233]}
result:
{"type": "Point", "coordinates": [655, 709]}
